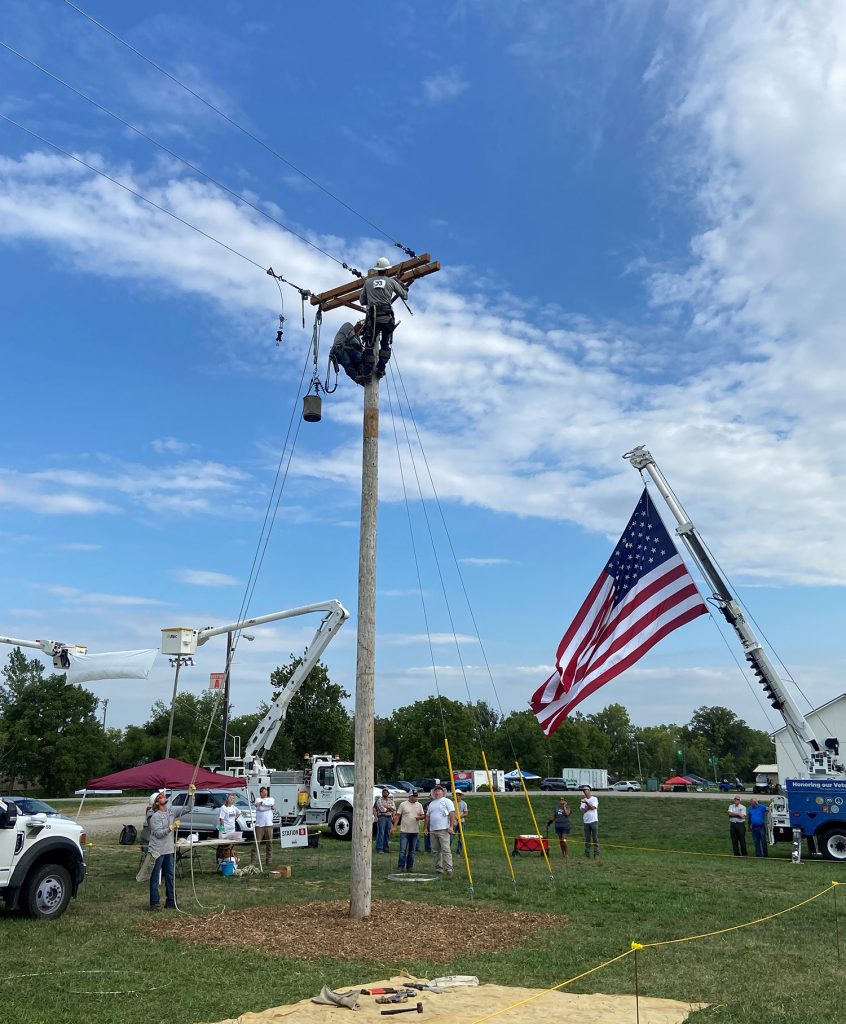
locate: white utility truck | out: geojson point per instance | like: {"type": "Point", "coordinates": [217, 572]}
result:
{"type": "Point", "coordinates": [41, 857]}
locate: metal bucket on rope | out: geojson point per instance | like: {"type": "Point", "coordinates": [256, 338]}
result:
{"type": "Point", "coordinates": [312, 408]}
{"type": "Point", "coordinates": [312, 403]}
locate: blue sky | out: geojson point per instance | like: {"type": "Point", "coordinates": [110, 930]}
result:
{"type": "Point", "coordinates": [639, 212]}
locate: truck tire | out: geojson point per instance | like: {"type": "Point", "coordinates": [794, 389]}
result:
{"type": "Point", "coordinates": [833, 843]}
{"type": "Point", "coordinates": [46, 892]}
{"type": "Point", "coordinates": [340, 825]}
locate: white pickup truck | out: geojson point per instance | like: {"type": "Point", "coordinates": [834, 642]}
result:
{"type": "Point", "coordinates": [41, 861]}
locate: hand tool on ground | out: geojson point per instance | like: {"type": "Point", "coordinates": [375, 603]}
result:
{"type": "Point", "coordinates": [398, 998]}
{"type": "Point", "coordinates": [380, 991]}
{"type": "Point", "coordinates": [404, 1009]}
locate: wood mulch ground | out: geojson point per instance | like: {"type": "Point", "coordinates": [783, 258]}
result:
{"type": "Point", "coordinates": [397, 930]}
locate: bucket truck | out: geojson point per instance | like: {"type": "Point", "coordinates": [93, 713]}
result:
{"type": "Point", "coordinates": [322, 791]}
{"type": "Point", "coordinates": [814, 803]}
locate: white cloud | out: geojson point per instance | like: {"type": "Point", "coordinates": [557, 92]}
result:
{"type": "Point", "coordinates": [437, 639]}
{"type": "Point", "coordinates": [444, 86]}
{"type": "Point", "coordinates": [80, 597]}
{"type": "Point", "coordinates": [171, 446]}
{"type": "Point", "coordinates": [484, 561]}
{"type": "Point", "coordinates": [526, 411]}
{"type": "Point", "coordinates": [31, 492]}
{"type": "Point", "coordinates": [204, 578]}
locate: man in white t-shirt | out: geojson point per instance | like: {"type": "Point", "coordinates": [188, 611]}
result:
{"type": "Point", "coordinates": [737, 827]}
{"type": "Point", "coordinates": [440, 825]}
{"type": "Point", "coordinates": [263, 827]}
{"type": "Point", "coordinates": [589, 807]}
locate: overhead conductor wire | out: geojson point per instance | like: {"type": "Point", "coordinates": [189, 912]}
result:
{"type": "Point", "coordinates": [175, 155]}
{"type": "Point", "coordinates": [473, 619]}
{"type": "Point", "coordinates": [231, 121]}
{"type": "Point", "coordinates": [426, 623]}
{"type": "Point", "coordinates": [455, 639]}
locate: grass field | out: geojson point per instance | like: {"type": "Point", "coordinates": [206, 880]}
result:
{"type": "Point", "coordinates": [663, 874]}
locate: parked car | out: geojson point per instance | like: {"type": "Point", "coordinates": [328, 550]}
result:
{"type": "Point", "coordinates": [626, 786]}
{"type": "Point", "coordinates": [399, 784]}
{"type": "Point", "coordinates": [553, 782]}
{"type": "Point", "coordinates": [29, 805]}
{"type": "Point", "coordinates": [426, 785]}
{"type": "Point", "coordinates": [203, 818]}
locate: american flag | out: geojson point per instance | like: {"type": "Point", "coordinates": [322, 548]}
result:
{"type": "Point", "coordinates": [642, 594]}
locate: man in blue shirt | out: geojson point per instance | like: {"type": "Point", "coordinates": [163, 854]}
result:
{"type": "Point", "coordinates": [758, 827]}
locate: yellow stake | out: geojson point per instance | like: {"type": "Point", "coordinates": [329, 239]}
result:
{"type": "Point", "coordinates": [457, 814]}
{"type": "Point", "coordinates": [534, 819]}
{"type": "Point", "coordinates": [498, 819]}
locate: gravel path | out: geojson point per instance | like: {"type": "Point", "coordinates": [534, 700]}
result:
{"type": "Point", "coordinates": [102, 821]}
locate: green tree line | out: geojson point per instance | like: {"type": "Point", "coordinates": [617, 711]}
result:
{"type": "Point", "coordinates": [50, 735]}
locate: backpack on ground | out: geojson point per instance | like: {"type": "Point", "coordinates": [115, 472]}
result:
{"type": "Point", "coordinates": [128, 835]}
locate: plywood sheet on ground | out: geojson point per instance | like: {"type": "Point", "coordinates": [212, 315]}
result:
{"type": "Point", "coordinates": [468, 1005]}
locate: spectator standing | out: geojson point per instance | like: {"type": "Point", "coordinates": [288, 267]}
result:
{"type": "Point", "coordinates": [463, 814]}
{"type": "Point", "coordinates": [589, 806]}
{"type": "Point", "coordinates": [737, 827]}
{"type": "Point", "coordinates": [408, 817]}
{"type": "Point", "coordinates": [263, 827]}
{"type": "Point", "coordinates": [561, 819]}
{"type": "Point", "coordinates": [757, 816]}
{"type": "Point", "coordinates": [440, 825]}
{"type": "Point", "coordinates": [228, 818]}
{"type": "Point", "coordinates": [384, 810]}
{"type": "Point", "coordinates": [163, 824]}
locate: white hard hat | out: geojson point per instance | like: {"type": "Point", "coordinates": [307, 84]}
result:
{"type": "Point", "coordinates": [382, 263]}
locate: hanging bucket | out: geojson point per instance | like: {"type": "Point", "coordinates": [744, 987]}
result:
{"type": "Point", "coordinates": [311, 408]}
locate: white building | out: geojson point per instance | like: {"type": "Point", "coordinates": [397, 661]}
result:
{"type": "Point", "coordinates": [829, 720]}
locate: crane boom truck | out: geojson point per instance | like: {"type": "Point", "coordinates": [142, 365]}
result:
{"type": "Point", "coordinates": [320, 793]}
{"type": "Point", "coordinates": [815, 803]}
{"type": "Point", "coordinates": [42, 859]}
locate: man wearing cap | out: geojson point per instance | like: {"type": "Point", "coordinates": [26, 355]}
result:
{"type": "Point", "coordinates": [384, 810]}
{"type": "Point", "coordinates": [589, 807]}
{"type": "Point", "coordinates": [377, 297]}
{"type": "Point", "coordinates": [408, 817]}
{"type": "Point", "coordinates": [440, 825]}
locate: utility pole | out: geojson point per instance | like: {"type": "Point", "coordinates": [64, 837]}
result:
{"type": "Point", "coordinates": [365, 703]}
{"type": "Point", "coordinates": [638, 744]}
{"type": "Point", "coordinates": [365, 669]}
{"type": "Point", "coordinates": [104, 701]}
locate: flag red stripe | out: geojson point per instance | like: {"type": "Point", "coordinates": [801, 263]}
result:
{"type": "Point", "coordinates": [621, 666]}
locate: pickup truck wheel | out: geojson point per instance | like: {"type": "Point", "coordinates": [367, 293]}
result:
{"type": "Point", "coordinates": [47, 892]}
{"type": "Point", "coordinates": [341, 825]}
{"type": "Point", "coordinates": [833, 843]}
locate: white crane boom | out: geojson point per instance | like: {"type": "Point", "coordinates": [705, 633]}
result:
{"type": "Point", "coordinates": [54, 649]}
{"type": "Point", "coordinates": [266, 731]}
{"type": "Point", "coordinates": [811, 753]}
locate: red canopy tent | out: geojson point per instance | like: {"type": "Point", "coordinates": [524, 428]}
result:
{"type": "Point", "coordinates": [169, 773]}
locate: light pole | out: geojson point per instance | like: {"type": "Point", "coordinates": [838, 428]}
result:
{"type": "Point", "coordinates": [638, 744]}
{"type": "Point", "coordinates": [548, 765]}
{"type": "Point", "coordinates": [227, 707]}
{"type": "Point", "coordinates": [177, 663]}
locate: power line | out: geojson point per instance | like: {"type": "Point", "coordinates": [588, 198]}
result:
{"type": "Point", "coordinates": [235, 124]}
{"type": "Point", "coordinates": [176, 156]}
{"type": "Point", "coordinates": [141, 196]}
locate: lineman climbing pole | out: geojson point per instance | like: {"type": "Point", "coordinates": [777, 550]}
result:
{"type": "Point", "coordinates": [362, 853]}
